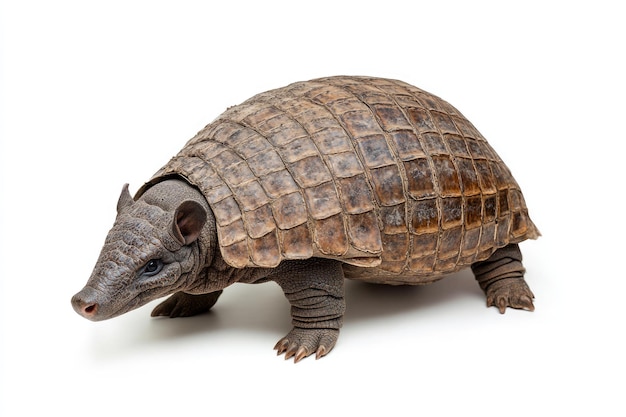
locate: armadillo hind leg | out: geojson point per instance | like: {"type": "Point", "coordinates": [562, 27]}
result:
{"type": "Point", "coordinates": [184, 305]}
{"type": "Point", "coordinates": [315, 289]}
{"type": "Point", "coordinates": [502, 279]}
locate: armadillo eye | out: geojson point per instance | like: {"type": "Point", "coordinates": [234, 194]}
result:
{"type": "Point", "coordinates": [153, 267]}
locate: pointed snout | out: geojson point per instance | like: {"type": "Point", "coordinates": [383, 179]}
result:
{"type": "Point", "coordinates": [86, 303]}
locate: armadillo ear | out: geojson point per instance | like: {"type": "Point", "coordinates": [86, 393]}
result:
{"type": "Point", "coordinates": [188, 222]}
{"type": "Point", "coordinates": [125, 199]}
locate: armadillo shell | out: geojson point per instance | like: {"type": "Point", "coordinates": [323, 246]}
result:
{"type": "Point", "coordinates": [373, 172]}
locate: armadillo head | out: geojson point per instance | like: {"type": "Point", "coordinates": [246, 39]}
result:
{"type": "Point", "coordinates": [151, 251]}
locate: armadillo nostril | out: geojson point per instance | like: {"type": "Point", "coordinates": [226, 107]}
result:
{"type": "Point", "coordinates": [85, 303]}
{"type": "Point", "coordinates": [90, 309]}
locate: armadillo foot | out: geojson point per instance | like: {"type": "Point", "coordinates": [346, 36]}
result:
{"type": "Point", "coordinates": [184, 305]}
{"type": "Point", "coordinates": [510, 292]}
{"type": "Point", "coordinates": [300, 343]}
{"type": "Point", "coordinates": [502, 279]}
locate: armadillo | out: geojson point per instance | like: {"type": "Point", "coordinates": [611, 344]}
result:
{"type": "Point", "coordinates": [362, 178]}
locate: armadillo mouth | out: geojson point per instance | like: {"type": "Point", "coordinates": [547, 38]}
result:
{"type": "Point", "coordinates": [140, 300]}
{"type": "Point", "coordinates": [94, 306]}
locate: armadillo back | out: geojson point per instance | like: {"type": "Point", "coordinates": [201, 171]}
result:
{"type": "Point", "coordinates": [374, 172]}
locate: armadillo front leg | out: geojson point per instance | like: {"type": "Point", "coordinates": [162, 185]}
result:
{"type": "Point", "coordinates": [184, 305]}
{"type": "Point", "coordinates": [502, 279]}
{"type": "Point", "coordinates": [315, 289]}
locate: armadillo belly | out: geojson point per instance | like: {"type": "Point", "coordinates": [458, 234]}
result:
{"type": "Point", "coordinates": [379, 174]}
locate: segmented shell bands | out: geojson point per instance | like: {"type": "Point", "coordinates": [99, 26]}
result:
{"type": "Point", "coordinates": [373, 172]}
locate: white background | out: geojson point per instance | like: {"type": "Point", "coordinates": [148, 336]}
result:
{"type": "Point", "coordinates": [96, 94]}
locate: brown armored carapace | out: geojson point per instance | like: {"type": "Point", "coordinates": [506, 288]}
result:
{"type": "Point", "coordinates": [364, 178]}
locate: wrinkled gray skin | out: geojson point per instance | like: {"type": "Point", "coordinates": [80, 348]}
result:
{"type": "Point", "coordinates": [166, 243]}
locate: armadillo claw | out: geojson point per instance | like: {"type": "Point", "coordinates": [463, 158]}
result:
{"type": "Point", "coordinates": [510, 292]}
{"type": "Point", "coordinates": [300, 343]}
{"type": "Point", "coordinates": [301, 354]}
{"type": "Point", "coordinates": [281, 346]}
{"type": "Point", "coordinates": [321, 351]}
{"type": "Point", "coordinates": [291, 351]}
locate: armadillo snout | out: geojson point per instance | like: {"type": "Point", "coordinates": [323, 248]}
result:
{"type": "Point", "coordinates": [85, 303]}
